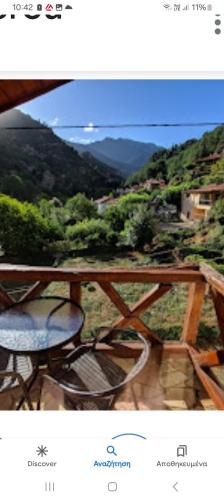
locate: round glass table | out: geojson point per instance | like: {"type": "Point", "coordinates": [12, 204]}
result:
{"type": "Point", "coordinates": [40, 325]}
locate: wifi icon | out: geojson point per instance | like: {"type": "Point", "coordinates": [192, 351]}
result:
{"type": "Point", "coordinates": [167, 6]}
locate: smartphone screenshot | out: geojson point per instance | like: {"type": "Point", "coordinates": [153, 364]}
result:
{"type": "Point", "coordinates": [111, 249]}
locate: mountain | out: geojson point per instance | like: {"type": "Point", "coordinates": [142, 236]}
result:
{"type": "Point", "coordinates": [38, 162]}
{"type": "Point", "coordinates": [184, 162]}
{"type": "Point", "coordinates": [125, 155]}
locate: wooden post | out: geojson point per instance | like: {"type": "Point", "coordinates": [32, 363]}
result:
{"type": "Point", "coordinates": [215, 392]}
{"type": "Point", "coordinates": [218, 301]}
{"type": "Point", "coordinates": [75, 296]}
{"type": "Point", "coordinates": [35, 291]}
{"type": "Point", "coordinates": [193, 312]}
{"type": "Point", "coordinates": [215, 279]}
{"type": "Point", "coordinates": [75, 292]}
{"type": "Point", "coordinates": [5, 299]}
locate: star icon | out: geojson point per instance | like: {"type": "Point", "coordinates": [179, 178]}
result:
{"type": "Point", "coordinates": [42, 451]}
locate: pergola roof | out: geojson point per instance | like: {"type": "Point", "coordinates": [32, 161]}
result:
{"type": "Point", "coordinates": [15, 92]}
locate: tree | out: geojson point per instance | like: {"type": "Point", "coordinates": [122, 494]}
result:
{"type": "Point", "coordinates": [13, 185]}
{"type": "Point", "coordinates": [218, 211]}
{"type": "Point", "coordinates": [91, 233]}
{"type": "Point", "coordinates": [80, 207]}
{"type": "Point", "coordinates": [23, 230]}
{"type": "Point", "coordinates": [140, 229]}
{"type": "Point", "coordinates": [130, 202]}
{"type": "Point", "coordinates": [115, 216]}
{"type": "Point", "coordinates": [55, 214]}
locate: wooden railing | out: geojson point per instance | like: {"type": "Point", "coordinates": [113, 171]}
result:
{"type": "Point", "coordinates": [216, 283]}
{"type": "Point", "coordinates": [200, 280]}
{"type": "Point", "coordinates": [162, 277]}
{"type": "Point", "coordinates": [206, 362]}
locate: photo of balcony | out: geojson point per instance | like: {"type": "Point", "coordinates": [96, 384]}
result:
{"type": "Point", "coordinates": [111, 247]}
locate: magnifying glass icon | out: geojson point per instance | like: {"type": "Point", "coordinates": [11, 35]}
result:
{"type": "Point", "coordinates": [111, 450]}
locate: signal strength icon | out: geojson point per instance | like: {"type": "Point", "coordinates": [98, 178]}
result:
{"type": "Point", "coordinates": [167, 6]}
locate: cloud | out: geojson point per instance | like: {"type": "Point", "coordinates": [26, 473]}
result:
{"type": "Point", "coordinates": [90, 128]}
{"type": "Point", "coordinates": [80, 140]}
{"type": "Point", "coordinates": [53, 122]}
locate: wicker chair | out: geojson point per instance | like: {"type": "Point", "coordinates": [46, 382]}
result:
{"type": "Point", "coordinates": [90, 379]}
{"type": "Point", "coordinates": [15, 372]}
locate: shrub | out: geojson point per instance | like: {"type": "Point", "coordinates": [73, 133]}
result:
{"type": "Point", "coordinates": [115, 216]}
{"type": "Point", "coordinates": [56, 215]}
{"type": "Point", "coordinates": [166, 241]}
{"type": "Point", "coordinates": [207, 251]}
{"type": "Point", "coordinates": [140, 229]}
{"type": "Point", "coordinates": [13, 185]}
{"type": "Point", "coordinates": [195, 259]}
{"type": "Point", "coordinates": [80, 208]}
{"type": "Point", "coordinates": [23, 230]}
{"type": "Point", "coordinates": [218, 211]}
{"type": "Point", "coordinates": [172, 193]}
{"type": "Point", "coordinates": [129, 201]}
{"type": "Point", "coordinates": [118, 214]}
{"type": "Point", "coordinates": [91, 233]}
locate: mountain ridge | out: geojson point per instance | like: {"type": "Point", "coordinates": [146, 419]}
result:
{"type": "Point", "coordinates": [38, 162]}
{"type": "Point", "coordinates": [126, 155]}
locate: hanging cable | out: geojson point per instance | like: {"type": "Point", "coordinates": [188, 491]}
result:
{"type": "Point", "coordinates": [45, 127]}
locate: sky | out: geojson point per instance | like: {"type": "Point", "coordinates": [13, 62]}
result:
{"type": "Point", "coordinates": [88, 102]}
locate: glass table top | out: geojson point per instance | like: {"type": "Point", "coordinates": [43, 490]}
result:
{"type": "Point", "coordinates": [40, 324]}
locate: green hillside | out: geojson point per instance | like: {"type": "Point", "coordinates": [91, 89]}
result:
{"type": "Point", "coordinates": [179, 164]}
{"type": "Point", "coordinates": [37, 162]}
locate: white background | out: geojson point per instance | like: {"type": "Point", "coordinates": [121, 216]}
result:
{"type": "Point", "coordinates": [76, 439]}
{"type": "Point", "coordinates": [109, 39]}
{"type": "Point", "coordinates": [113, 35]}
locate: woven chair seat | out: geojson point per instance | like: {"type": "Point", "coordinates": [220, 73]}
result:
{"type": "Point", "coordinates": [14, 363]}
{"type": "Point", "coordinates": [92, 372]}
{"type": "Point", "coordinates": [90, 377]}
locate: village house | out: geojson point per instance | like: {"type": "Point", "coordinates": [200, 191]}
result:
{"type": "Point", "coordinates": [196, 204]}
{"type": "Point", "coordinates": [152, 184]}
{"type": "Point", "coordinates": [104, 202]}
{"type": "Point", "coordinates": [210, 159]}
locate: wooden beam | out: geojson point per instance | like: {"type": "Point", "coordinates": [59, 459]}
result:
{"type": "Point", "coordinates": [218, 301]}
{"type": "Point", "coordinates": [75, 292]}
{"type": "Point", "coordinates": [139, 325]}
{"type": "Point", "coordinates": [150, 298]}
{"type": "Point", "coordinates": [215, 279]}
{"type": "Point", "coordinates": [175, 346]}
{"type": "Point", "coordinates": [193, 312]}
{"type": "Point", "coordinates": [208, 358]}
{"type": "Point", "coordinates": [35, 290]}
{"type": "Point", "coordinates": [214, 391]}
{"type": "Point", "coordinates": [116, 298]}
{"type": "Point", "coordinates": [122, 349]}
{"type": "Point", "coordinates": [130, 316]}
{"type": "Point", "coordinates": [76, 296]}
{"type": "Point", "coordinates": [5, 299]}
{"type": "Point", "coordinates": [147, 300]}
{"type": "Point", "coordinates": [139, 275]}
{"type": "Point", "coordinates": [121, 323]}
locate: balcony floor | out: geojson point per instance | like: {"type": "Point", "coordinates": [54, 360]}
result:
{"type": "Point", "coordinates": [168, 382]}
